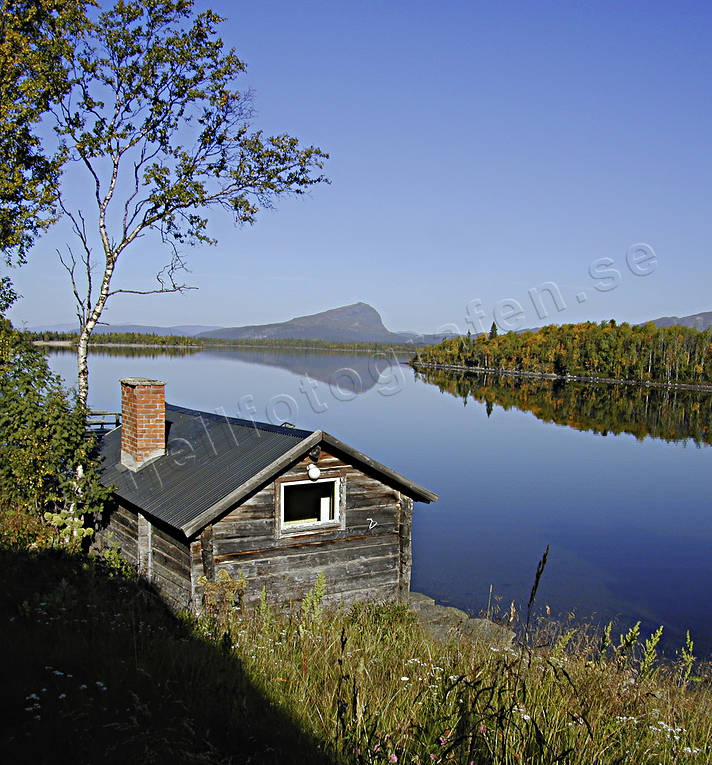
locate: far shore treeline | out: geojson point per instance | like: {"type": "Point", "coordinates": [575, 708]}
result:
{"type": "Point", "coordinates": [643, 353]}
{"type": "Point", "coordinates": [199, 343]}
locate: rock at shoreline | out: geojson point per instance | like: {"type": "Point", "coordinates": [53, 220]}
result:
{"type": "Point", "coordinates": [445, 622]}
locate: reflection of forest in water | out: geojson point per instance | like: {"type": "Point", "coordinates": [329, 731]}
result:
{"type": "Point", "coordinates": [672, 415]}
{"type": "Point", "coordinates": [143, 351]}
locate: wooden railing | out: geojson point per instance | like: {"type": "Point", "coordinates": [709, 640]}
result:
{"type": "Point", "coordinates": [101, 422]}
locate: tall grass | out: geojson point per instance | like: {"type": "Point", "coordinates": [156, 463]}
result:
{"type": "Point", "coordinates": [374, 687]}
{"type": "Point", "coordinates": [96, 669]}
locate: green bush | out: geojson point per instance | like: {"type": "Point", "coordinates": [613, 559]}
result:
{"type": "Point", "coordinates": [46, 459]}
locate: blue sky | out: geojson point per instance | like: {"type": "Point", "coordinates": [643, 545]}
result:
{"type": "Point", "coordinates": [479, 150]}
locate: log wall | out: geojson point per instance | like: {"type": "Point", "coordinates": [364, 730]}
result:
{"type": "Point", "coordinates": [120, 528]}
{"type": "Point", "coordinates": [158, 555]}
{"type": "Point", "coordinates": [170, 569]}
{"type": "Point", "coordinates": [365, 556]}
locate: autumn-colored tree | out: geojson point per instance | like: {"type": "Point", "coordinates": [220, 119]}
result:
{"type": "Point", "coordinates": [640, 353]}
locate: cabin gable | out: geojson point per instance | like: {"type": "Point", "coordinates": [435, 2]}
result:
{"type": "Point", "coordinates": [365, 553]}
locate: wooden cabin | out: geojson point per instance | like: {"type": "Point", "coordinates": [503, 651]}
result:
{"type": "Point", "coordinates": [197, 492]}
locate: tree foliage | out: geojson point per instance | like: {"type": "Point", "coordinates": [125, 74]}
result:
{"type": "Point", "coordinates": [36, 46]}
{"type": "Point", "coordinates": [155, 121]}
{"type": "Point", "coordinates": [644, 353]}
{"type": "Point", "coordinates": [46, 461]}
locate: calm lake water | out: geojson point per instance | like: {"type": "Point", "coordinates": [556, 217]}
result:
{"type": "Point", "coordinates": [628, 519]}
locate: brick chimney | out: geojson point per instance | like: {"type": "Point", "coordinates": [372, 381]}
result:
{"type": "Point", "coordinates": [143, 421]}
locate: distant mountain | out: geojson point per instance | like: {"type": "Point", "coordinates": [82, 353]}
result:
{"type": "Point", "coordinates": [184, 330]}
{"type": "Point", "coordinates": [699, 321]}
{"type": "Point", "coordinates": [356, 323]}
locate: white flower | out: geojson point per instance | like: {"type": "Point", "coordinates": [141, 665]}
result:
{"type": "Point", "coordinates": [405, 679]}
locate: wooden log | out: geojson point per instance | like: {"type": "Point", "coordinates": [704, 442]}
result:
{"type": "Point", "coordinates": [171, 564]}
{"type": "Point", "coordinates": [405, 563]}
{"type": "Point", "coordinates": [171, 546]}
{"type": "Point", "coordinates": [340, 538]}
{"type": "Point", "coordinates": [177, 596]}
{"type": "Point", "coordinates": [207, 551]}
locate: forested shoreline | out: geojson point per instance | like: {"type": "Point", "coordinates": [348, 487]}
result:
{"type": "Point", "coordinates": [139, 339]}
{"type": "Point", "coordinates": [607, 351]}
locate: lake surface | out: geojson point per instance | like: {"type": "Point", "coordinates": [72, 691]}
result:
{"type": "Point", "coordinates": [627, 517]}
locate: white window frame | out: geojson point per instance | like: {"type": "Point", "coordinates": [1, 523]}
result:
{"type": "Point", "coordinates": [331, 523]}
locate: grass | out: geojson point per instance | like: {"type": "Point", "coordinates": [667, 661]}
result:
{"type": "Point", "coordinates": [96, 669]}
{"type": "Point", "coordinates": [374, 685]}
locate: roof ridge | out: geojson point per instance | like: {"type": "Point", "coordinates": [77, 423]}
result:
{"type": "Point", "coordinates": [266, 426]}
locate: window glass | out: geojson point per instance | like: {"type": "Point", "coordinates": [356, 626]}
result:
{"type": "Point", "coordinates": [313, 502]}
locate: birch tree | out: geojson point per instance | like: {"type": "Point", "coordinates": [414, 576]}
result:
{"type": "Point", "coordinates": [157, 125]}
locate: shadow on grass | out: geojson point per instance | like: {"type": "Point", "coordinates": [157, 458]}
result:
{"type": "Point", "coordinates": [97, 669]}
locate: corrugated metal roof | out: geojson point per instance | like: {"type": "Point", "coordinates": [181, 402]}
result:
{"type": "Point", "coordinates": [207, 457]}
{"type": "Point", "coordinates": [213, 461]}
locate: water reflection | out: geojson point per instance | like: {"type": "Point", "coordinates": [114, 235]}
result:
{"type": "Point", "coordinates": [671, 415]}
{"type": "Point", "coordinates": [127, 351]}
{"type": "Point", "coordinates": [351, 374]}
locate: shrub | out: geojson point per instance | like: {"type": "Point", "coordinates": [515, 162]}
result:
{"type": "Point", "coordinates": [46, 459]}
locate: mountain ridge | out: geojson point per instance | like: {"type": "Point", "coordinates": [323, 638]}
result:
{"type": "Point", "coordinates": [700, 321]}
{"type": "Point", "coordinates": [353, 323]}
{"type": "Point", "coordinates": [356, 322]}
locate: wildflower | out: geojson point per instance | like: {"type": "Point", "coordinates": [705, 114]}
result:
{"type": "Point", "coordinates": [482, 728]}
{"type": "Point", "coordinates": [523, 712]}
{"type": "Point", "coordinates": [393, 758]}
{"type": "Point", "coordinates": [405, 679]}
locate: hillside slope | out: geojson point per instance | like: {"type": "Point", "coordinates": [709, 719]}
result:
{"type": "Point", "coordinates": [700, 321]}
{"type": "Point", "coordinates": [354, 323]}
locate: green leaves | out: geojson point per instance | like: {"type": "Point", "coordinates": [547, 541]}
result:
{"type": "Point", "coordinates": [46, 461]}
{"type": "Point", "coordinates": [36, 47]}
{"type": "Point", "coordinates": [156, 123]}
